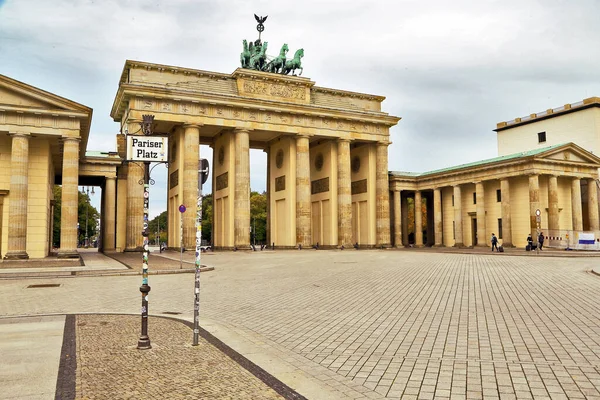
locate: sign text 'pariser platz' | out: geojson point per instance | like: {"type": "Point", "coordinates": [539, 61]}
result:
{"type": "Point", "coordinates": [147, 148]}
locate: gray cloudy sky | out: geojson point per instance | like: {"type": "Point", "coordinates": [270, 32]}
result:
{"type": "Point", "coordinates": [450, 69]}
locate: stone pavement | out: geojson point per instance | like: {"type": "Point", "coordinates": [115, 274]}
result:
{"type": "Point", "coordinates": [30, 352]}
{"type": "Point", "coordinates": [378, 324]}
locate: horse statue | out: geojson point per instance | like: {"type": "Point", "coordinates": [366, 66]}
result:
{"type": "Point", "coordinates": [257, 59]}
{"type": "Point", "coordinates": [245, 56]}
{"type": "Point", "coordinates": [278, 62]}
{"type": "Point", "coordinates": [294, 63]}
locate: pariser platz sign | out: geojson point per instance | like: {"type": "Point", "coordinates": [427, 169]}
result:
{"type": "Point", "coordinates": [147, 148]}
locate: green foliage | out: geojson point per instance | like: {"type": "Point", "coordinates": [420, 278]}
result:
{"type": "Point", "coordinates": [207, 218]}
{"type": "Point", "coordinates": [158, 224]}
{"type": "Point", "coordinates": [258, 217]}
{"type": "Point", "coordinates": [84, 204]}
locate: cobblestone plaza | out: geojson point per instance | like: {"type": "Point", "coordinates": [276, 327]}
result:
{"type": "Point", "coordinates": [375, 324]}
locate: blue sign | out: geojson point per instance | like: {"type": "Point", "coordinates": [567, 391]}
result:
{"type": "Point", "coordinates": [182, 208]}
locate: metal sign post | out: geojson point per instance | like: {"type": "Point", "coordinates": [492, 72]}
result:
{"type": "Point", "coordinates": [181, 211]}
{"type": "Point", "coordinates": [538, 220]}
{"type": "Point", "coordinates": [202, 177]}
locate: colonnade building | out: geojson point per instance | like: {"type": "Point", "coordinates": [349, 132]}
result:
{"type": "Point", "coordinates": [327, 167]}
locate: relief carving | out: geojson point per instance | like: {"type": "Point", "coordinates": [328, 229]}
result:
{"type": "Point", "coordinates": [358, 187]}
{"type": "Point", "coordinates": [185, 108]}
{"type": "Point", "coordinates": [222, 181]}
{"type": "Point", "coordinates": [274, 89]}
{"type": "Point", "coordinates": [174, 179]}
{"type": "Point", "coordinates": [167, 106]}
{"type": "Point", "coordinates": [319, 186]}
{"type": "Point", "coordinates": [280, 183]}
{"type": "Point", "coordinates": [147, 104]}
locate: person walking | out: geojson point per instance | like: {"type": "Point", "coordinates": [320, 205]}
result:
{"type": "Point", "coordinates": [541, 240]}
{"type": "Point", "coordinates": [529, 243]}
{"type": "Point", "coordinates": [494, 242]}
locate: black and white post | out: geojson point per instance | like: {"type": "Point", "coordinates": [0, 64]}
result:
{"type": "Point", "coordinates": [202, 177]}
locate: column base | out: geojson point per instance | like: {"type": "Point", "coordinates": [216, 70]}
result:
{"type": "Point", "coordinates": [438, 245]}
{"type": "Point", "coordinates": [67, 253]}
{"type": "Point", "coordinates": [459, 245]}
{"type": "Point", "coordinates": [399, 246]}
{"type": "Point", "coordinates": [133, 249]}
{"type": "Point", "coordinates": [16, 255]}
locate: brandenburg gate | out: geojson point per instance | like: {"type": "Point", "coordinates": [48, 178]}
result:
{"type": "Point", "coordinates": [327, 156]}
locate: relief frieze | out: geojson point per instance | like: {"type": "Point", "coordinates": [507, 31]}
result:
{"type": "Point", "coordinates": [280, 183]}
{"type": "Point", "coordinates": [359, 187]}
{"type": "Point", "coordinates": [319, 186]}
{"type": "Point", "coordinates": [274, 89]}
{"type": "Point", "coordinates": [222, 181]}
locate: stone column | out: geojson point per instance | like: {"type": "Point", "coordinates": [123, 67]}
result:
{"type": "Point", "coordinates": [505, 214]}
{"type": "Point", "coordinates": [344, 194]}
{"type": "Point", "coordinates": [303, 234]}
{"type": "Point", "coordinates": [135, 199]}
{"type": "Point", "coordinates": [397, 220]}
{"type": "Point", "coordinates": [534, 203]}
{"type": "Point", "coordinates": [382, 193]}
{"type": "Point", "coordinates": [70, 199]}
{"type": "Point", "coordinates": [242, 189]}
{"type": "Point", "coordinates": [404, 211]}
{"type": "Point", "coordinates": [268, 152]}
{"type": "Point", "coordinates": [458, 228]}
{"type": "Point", "coordinates": [17, 211]}
{"type": "Point", "coordinates": [480, 208]}
{"type": "Point", "coordinates": [191, 155]}
{"type": "Point", "coordinates": [576, 204]}
{"type": "Point", "coordinates": [593, 205]}
{"type": "Point", "coordinates": [110, 208]}
{"type": "Point", "coordinates": [438, 224]}
{"type": "Point", "coordinates": [418, 219]}
{"type": "Point", "coordinates": [553, 221]}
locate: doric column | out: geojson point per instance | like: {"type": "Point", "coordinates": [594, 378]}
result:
{"type": "Point", "coordinates": [397, 219]}
{"type": "Point", "coordinates": [110, 209]}
{"type": "Point", "coordinates": [404, 211]}
{"type": "Point", "coordinates": [458, 229]}
{"type": "Point", "coordinates": [438, 225]}
{"type": "Point", "coordinates": [505, 213]}
{"type": "Point", "coordinates": [268, 152]}
{"type": "Point", "coordinates": [191, 153]}
{"type": "Point", "coordinates": [553, 221]}
{"type": "Point", "coordinates": [576, 204]}
{"type": "Point", "coordinates": [534, 202]}
{"type": "Point", "coordinates": [344, 194]}
{"type": "Point", "coordinates": [418, 219]}
{"type": "Point", "coordinates": [303, 234]}
{"type": "Point", "coordinates": [70, 199]}
{"type": "Point", "coordinates": [17, 211]}
{"type": "Point", "coordinates": [593, 205]}
{"type": "Point", "coordinates": [135, 198]}
{"type": "Point", "coordinates": [382, 193]}
{"type": "Point", "coordinates": [480, 209]}
{"type": "Point", "coordinates": [242, 189]}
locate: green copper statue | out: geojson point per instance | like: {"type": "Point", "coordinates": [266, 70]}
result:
{"type": "Point", "coordinates": [254, 55]}
{"type": "Point", "coordinates": [276, 64]}
{"type": "Point", "coordinates": [294, 63]}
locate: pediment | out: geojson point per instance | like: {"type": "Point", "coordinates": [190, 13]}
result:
{"type": "Point", "coordinates": [570, 153]}
{"type": "Point", "coordinates": [20, 95]}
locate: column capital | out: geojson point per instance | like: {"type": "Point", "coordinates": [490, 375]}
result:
{"type": "Point", "coordinates": [19, 134]}
{"type": "Point", "coordinates": [242, 130]}
{"type": "Point", "coordinates": [344, 140]}
{"type": "Point", "coordinates": [194, 125]}
{"type": "Point", "coordinates": [112, 178]}
{"type": "Point", "coordinates": [70, 139]}
{"type": "Point", "coordinates": [384, 143]}
{"type": "Point", "coordinates": [303, 136]}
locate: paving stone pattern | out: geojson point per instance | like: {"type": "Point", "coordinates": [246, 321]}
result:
{"type": "Point", "coordinates": [110, 367]}
{"type": "Point", "coordinates": [384, 324]}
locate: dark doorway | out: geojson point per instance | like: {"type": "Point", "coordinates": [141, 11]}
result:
{"type": "Point", "coordinates": [474, 231]}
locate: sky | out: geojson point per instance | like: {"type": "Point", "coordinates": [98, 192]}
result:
{"type": "Point", "coordinates": [450, 69]}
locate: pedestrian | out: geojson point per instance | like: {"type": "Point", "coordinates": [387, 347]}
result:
{"type": "Point", "coordinates": [541, 240]}
{"type": "Point", "coordinates": [529, 242]}
{"type": "Point", "coordinates": [494, 242]}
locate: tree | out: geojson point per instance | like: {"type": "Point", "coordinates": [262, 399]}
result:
{"type": "Point", "coordinates": [84, 203]}
{"type": "Point", "coordinates": [258, 217]}
{"type": "Point", "coordinates": [207, 217]}
{"type": "Point", "coordinates": [158, 224]}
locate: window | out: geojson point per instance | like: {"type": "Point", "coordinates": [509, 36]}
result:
{"type": "Point", "coordinates": [541, 137]}
{"type": "Point", "coordinates": [498, 195]}
{"type": "Point", "coordinates": [474, 198]}
{"type": "Point", "coordinates": [499, 228]}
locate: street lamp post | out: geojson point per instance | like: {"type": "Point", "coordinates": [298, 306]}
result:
{"type": "Point", "coordinates": [86, 191]}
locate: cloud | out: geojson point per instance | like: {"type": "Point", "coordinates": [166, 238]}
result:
{"type": "Point", "coordinates": [451, 70]}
